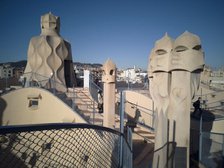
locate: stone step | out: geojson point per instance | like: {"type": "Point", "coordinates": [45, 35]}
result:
{"type": "Point", "coordinates": [87, 107]}
{"type": "Point", "coordinates": [82, 93]}
{"type": "Point", "coordinates": [86, 117]}
{"type": "Point", "coordinates": [82, 102]}
{"type": "Point", "coordinates": [97, 121]}
{"type": "Point", "coordinates": [144, 134]}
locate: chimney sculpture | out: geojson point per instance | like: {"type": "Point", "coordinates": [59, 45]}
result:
{"type": "Point", "coordinates": [174, 74]}
{"type": "Point", "coordinates": [186, 64]}
{"type": "Point", "coordinates": [159, 71]}
{"type": "Point", "coordinates": [49, 56]}
{"type": "Point", "coordinates": [109, 79]}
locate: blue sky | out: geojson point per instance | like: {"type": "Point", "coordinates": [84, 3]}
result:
{"type": "Point", "coordinates": [123, 30]}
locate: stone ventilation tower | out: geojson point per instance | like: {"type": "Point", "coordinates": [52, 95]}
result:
{"type": "Point", "coordinates": [49, 56]}
{"type": "Point", "coordinates": [109, 79]}
{"type": "Point", "coordinates": [174, 73]}
{"type": "Point", "coordinates": [186, 65]}
{"type": "Point", "coordinates": [159, 77]}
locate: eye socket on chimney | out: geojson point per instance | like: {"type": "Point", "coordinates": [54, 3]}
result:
{"type": "Point", "coordinates": [197, 47]}
{"type": "Point", "coordinates": [111, 72]}
{"type": "Point", "coordinates": [181, 48]}
{"type": "Point", "coordinates": [161, 51]}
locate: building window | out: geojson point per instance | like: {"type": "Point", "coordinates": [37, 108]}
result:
{"type": "Point", "coordinates": [33, 101]}
{"type": "Point", "coordinates": [33, 104]}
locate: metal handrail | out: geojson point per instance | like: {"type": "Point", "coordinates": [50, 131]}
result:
{"type": "Point", "coordinates": [57, 126]}
{"type": "Point", "coordinates": [20, 131]}
{"type": "Point", "coordinates": [214, 133]}
{"type": "Point", "coordinates": [51, 78]}
{"type": "Point", "coordinates": [92, 105]}
{"type": "Point", "coordinates": [143, 109]}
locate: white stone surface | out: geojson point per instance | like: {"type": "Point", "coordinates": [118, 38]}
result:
{"type": "Point", "coordinates": [86, 78]}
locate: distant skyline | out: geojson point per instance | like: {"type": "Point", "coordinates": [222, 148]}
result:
{"type": "Point", "coordinates": [122, 30]}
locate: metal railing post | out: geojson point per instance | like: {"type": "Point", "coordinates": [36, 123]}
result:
{"type": "Point", "coordinates": [129, 137]}
{"type": "Point", "coordinates": [94, 112]}
{"type": "Point", "coordinates": [54, 83]}
{"type": "Point", "coordinates": [122, 96]}
{"type": "Point", "coordinates": [73, 98]}
{"type": "Point", "coordinates": [121, 127]}
{"type": "Point", "coordinates": [6, 81]}
{"type": "Point", "coordinates": [153, 115]}
{"type": "Point", "coordinates": [200, 139]}
{"type": "Point", "coordinates": [222, 145]}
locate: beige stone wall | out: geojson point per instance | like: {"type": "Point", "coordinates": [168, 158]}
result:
{"type": "Point", "coordinates": [218, 127]}
{"type": "Point", "coordinates": [16, 108]}
{"type": "Point", "coordinates": [142, 102]}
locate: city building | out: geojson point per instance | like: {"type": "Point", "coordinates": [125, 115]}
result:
{"type": "Point", "coordinates": [131, 75]}
{"type": "Point", "coordinates": [213, 78]}
{"type": "Point", "coordinates": [6, 71]}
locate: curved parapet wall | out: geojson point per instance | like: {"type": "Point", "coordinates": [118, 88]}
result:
{"type": "Point", "coordinates": [137, 101]}
{"type": "Point", "coordinates": [35, 106]}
